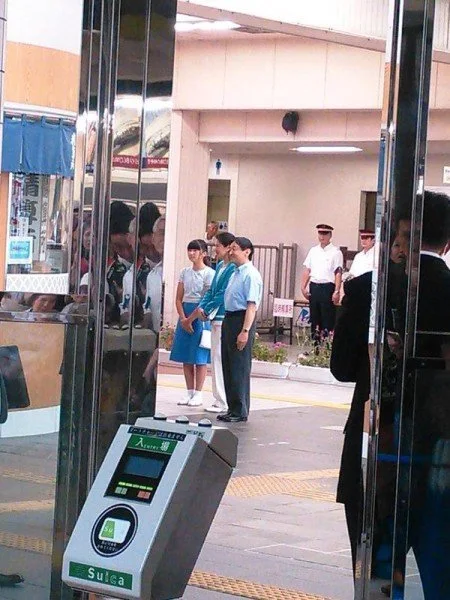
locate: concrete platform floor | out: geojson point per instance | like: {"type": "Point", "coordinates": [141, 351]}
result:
{"type": "Point", "coordinates": [277, 527]}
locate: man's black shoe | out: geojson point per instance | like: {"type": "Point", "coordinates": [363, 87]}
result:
{"type": "Point", "coordinates": [233, 419]}
{"type": "Point", "coordinates": [222, 416]}
{"type": "Point", "coordinates": [10, 580]}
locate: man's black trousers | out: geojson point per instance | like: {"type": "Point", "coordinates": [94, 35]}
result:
{"type": "Point", "coordinates": [322, 311]}
{"type": "Point", "coordinates": [236, 364]}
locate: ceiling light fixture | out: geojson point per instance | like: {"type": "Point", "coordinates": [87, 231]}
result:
{"type": "Point", "coordinates": [206, 26]}
{"type": "Point", "coordinates": [326, 149]}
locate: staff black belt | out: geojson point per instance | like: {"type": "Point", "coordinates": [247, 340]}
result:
{"type": "Point", "coordinates": [234, 313]}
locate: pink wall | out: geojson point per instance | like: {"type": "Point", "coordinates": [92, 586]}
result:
{"type": "Point", "coordinates": [281, 198]}
{"type": "Point", "coordinates": [281, 72]}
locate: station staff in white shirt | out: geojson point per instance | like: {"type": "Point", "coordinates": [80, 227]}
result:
{"type": "Point", "coordinates": [321, 281]}
{"type": "Point", "coordinates": [364, 260]}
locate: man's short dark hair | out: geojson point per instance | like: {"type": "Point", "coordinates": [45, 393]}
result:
{"type": "Point", "coordinates": [436, 219]}
{"type": "Point", "coordinates": [225, 238]}
{"type": "Point", "coordinates": [121, 216]}
{"type": "Point", "coordinates": [245, 244]}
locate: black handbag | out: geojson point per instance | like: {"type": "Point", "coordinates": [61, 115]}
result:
{"type": "Point", "coordinates": [3, 401]}
{"type": "Point", "coordinates": [13, 376]}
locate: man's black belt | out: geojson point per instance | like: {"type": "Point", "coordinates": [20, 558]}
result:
{"type": "Point", "coordinates": [234, 313]}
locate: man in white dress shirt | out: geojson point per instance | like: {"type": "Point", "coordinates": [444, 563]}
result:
{"type": "Point", "coordinates": [364, 260]}
{"type": "Point", "coordinates": [321, 281]}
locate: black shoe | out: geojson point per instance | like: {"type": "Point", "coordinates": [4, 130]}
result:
{"type": "Point", "coordinates": [10, 580]}
{"type": "Point", "coordinates": [222, 416]}
{"type": "Point", "coordinates": [233, 419]}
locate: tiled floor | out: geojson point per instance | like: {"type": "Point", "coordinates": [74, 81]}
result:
{"type": "Point", "coordinates": [278, 532]}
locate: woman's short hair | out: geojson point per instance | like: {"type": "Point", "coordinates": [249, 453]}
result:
{"type": "Point", "coordinates": [245, 244]}
{"type": "Point", "coordinates": [225, 238]}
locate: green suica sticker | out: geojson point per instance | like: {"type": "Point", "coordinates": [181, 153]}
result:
{"type": "Point", "coordinates": [101, 576]}
{"type": "Point", "coordinates": [152, 444]}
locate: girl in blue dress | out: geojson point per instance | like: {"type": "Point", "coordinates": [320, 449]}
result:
{"type": "Point", "coordinates": [193, 283]}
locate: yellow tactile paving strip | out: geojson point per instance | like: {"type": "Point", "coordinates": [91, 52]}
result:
{"type": "Point", "coordinates": [27, 506]}
{"type": "Point", "coordinates": [246, 589]}
{"type": "Point", "coordinates": [304, 475]}
{"type": "Point", "coordinates": [273, 397]}
{"type": "Point", "coordinates": [298, 484]}
{"type": "Point", "coordinates": [22, 542]}
{"type": "Point", "coordinates": [32, 477]}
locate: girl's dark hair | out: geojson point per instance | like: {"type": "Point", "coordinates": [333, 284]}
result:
{"type": "Point", "coordinates": [200, 245]}
{"type": "Point", "coordinates": [225, 238]}
{"type": "Point", "coordinates": [245, 244]}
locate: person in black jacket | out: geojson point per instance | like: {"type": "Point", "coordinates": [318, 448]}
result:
{"type": "Point", "coordinates": [426, 408]}
{"type": "Point", "coordinates": [350, 362]}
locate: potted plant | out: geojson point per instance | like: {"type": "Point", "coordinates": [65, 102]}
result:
{"type": "Point", "coordinates": [270, 360]}
{"type": "Point", "coordinates": [166, 336]}
{"type": "Point", "coordinates": [313, 361]}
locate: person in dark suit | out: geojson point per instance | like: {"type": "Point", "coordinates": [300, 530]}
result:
{"type": "Point", "coordinates": [427, 408]}
{"type": "Point", "coordinates": [350, 362]}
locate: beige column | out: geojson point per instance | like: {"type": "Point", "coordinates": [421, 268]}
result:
{"type": "Point", "coordinates": [187, 200]}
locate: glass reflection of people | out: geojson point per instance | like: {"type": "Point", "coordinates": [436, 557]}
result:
{"type": "Point", "coordinates": [193, 283]}
{"type": "Point", "coordinates": [145, 395]}
{"type": "Point", "coordinates": [212, 307]}
{"type": "Point", "coordinates": [121, 255]}
{"type": "Point", "coordinates": [85, 246]}
{"type": "Point", "coordinates": [153, 285]}
{"type": "Point", "coordinates": [44, 303]}
{"type": "Point", "coordinates": [148, 256]}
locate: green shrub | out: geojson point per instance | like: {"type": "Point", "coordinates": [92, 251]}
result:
{"type": "Point", "coordinates": [274, 353]}
{"type": "Point", "coordinates": [314, 353]}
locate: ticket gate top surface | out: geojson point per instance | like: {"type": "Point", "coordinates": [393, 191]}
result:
{"type": "Point", "coordinates": [147, 479]}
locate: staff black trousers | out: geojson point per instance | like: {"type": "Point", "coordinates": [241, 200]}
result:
{"type": "Point", "coordinates": [322, 311]}
{"type": "Point", "coordinates": [236, 364]}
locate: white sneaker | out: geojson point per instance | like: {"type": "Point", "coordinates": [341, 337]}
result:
{"type": "Point", "coordinates": [214, 408]}
{"type": "Point", "coordinates": [196, 399]}
{"type": "Point", "coordinates": [186, 398]}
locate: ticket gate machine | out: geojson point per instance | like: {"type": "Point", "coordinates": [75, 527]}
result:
{"type": "Point", "coordinates": [149, 510]}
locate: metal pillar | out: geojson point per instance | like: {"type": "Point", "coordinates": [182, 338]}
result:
{"type": "Point", "coordinates": [126, 63]}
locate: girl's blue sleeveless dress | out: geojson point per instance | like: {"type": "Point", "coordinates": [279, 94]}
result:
{"type": "Point", "coordinates": [185, 348]}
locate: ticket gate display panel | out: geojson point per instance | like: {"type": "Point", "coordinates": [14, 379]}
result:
{"type": "Point", "coordinates": [152, 503]}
